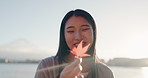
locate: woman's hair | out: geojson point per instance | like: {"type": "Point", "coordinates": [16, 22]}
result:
{"type": "Point", "coordinates": [63, 49]}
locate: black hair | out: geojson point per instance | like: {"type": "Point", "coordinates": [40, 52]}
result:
{"type": "Point", "coordinates": [63, 49]}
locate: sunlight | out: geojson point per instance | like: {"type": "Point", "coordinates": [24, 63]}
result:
{"type": "Point", "coordinates": [138, 45]}
{"type": "Point", "coordinates": [52, 67]}
{"type": "Point", "coordinates": [145, 72]}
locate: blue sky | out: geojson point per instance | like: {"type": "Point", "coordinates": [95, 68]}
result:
{"type": "Point", "coordinates": [122, 24]}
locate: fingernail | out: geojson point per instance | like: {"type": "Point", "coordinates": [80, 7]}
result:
{"type": "Point", "coordinates": [80, 67]}
{"type": "Point", "coordinates": [76, 77]}
{"type": "Point", "coordinates": [81, 76]}
{"type": "Point", "coordinates": [80, 60]}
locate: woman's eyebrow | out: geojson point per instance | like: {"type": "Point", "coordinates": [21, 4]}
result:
{"type": "Point", "coordinates": [70, 27]}
{"type": "Point", "coordinates": [85, 25]}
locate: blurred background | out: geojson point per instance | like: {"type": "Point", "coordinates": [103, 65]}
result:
{"type": "Point", "coordinates": [29, 32]}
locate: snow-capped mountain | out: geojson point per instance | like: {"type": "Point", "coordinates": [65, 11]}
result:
{"type": "Point", "coordinates": [22, 49]}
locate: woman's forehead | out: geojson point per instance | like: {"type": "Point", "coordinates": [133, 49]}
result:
{"type": "Point", "coordinates": [70, 27]}
{"type": "Point", "coordinates": [77, 21]}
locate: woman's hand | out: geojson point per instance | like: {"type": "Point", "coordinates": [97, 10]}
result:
{"type": "Point", "coordinates": [72, 70]}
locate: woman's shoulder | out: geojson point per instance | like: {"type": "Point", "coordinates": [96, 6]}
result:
{"type": "Point", "coordinates": [104, 70]}
{"type": "Point", "coordinates": [103, 66]}
{"type": "Point", "coordinates": [49, 61]}
{"type": "Point", "coordinates": [45, 68]}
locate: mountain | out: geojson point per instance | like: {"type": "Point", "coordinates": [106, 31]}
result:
{"type": "Point", "coordinates": [22, 49]}
{"type": "Point", "coordinates": [128, 62]}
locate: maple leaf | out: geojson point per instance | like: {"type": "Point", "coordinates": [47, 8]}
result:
{"type": "Point", "coordinates": [79, 51]}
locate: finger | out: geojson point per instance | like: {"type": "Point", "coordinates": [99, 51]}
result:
{"type": "Point", "coordinates": [76, 62]}
{"type": "Point", "coordinates": [79, 76]}
{"type": "Point", "coordinates": [80, 60]}
{"type": "Point", "coordinates": [76, 77]}
{"type": "Point", "coordinates": [80, 67]}
{"type": "Point", "coordinates": [69, 68]}
{"type": "Point", "coordinates": [76, 71]}
{"type": "Point", "coordinates": [76, 57]}
{"type": "Point", "coordinates": [74, 66]}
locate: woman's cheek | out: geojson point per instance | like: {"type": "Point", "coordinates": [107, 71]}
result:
{"type": "Point", "coordinates": [69, 40]}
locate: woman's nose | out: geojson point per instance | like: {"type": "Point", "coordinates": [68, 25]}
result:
{"type": "Point", "coordinates": [78, 36]}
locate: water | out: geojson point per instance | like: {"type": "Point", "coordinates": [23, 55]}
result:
{"type": "Point", "coordinates": [130, 72]}
{"type": "Point", "coordinates": [28, 71]}
{"type": "Point", "coordinates": [17, 70]}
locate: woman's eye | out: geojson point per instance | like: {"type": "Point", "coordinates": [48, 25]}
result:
{"type": "Point", "coordinates": [85, 29]}
{"type": "Point", "coordinates": [70, 31]}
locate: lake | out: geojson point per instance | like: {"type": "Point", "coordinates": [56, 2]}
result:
{"type": "Point", "coordinates": [28, 70]}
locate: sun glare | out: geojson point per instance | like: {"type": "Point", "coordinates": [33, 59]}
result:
{"type": "Point", "coordinates": [138, 46]}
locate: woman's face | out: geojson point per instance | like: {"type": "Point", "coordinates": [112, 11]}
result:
{"type": "Point", "coordinates": [77, 29]}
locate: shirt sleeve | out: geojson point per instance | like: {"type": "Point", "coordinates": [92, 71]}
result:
{"type": "Point", "coordinates": [40, 72]}
{"type": "Point", "coordinates": [46, 69]}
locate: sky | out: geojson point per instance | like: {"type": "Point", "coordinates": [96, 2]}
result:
{"type": "Point", "coordinates": [122, 25]}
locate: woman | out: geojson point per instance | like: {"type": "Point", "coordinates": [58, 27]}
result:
{"type": "Point", "coordinates": [76, 26]}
